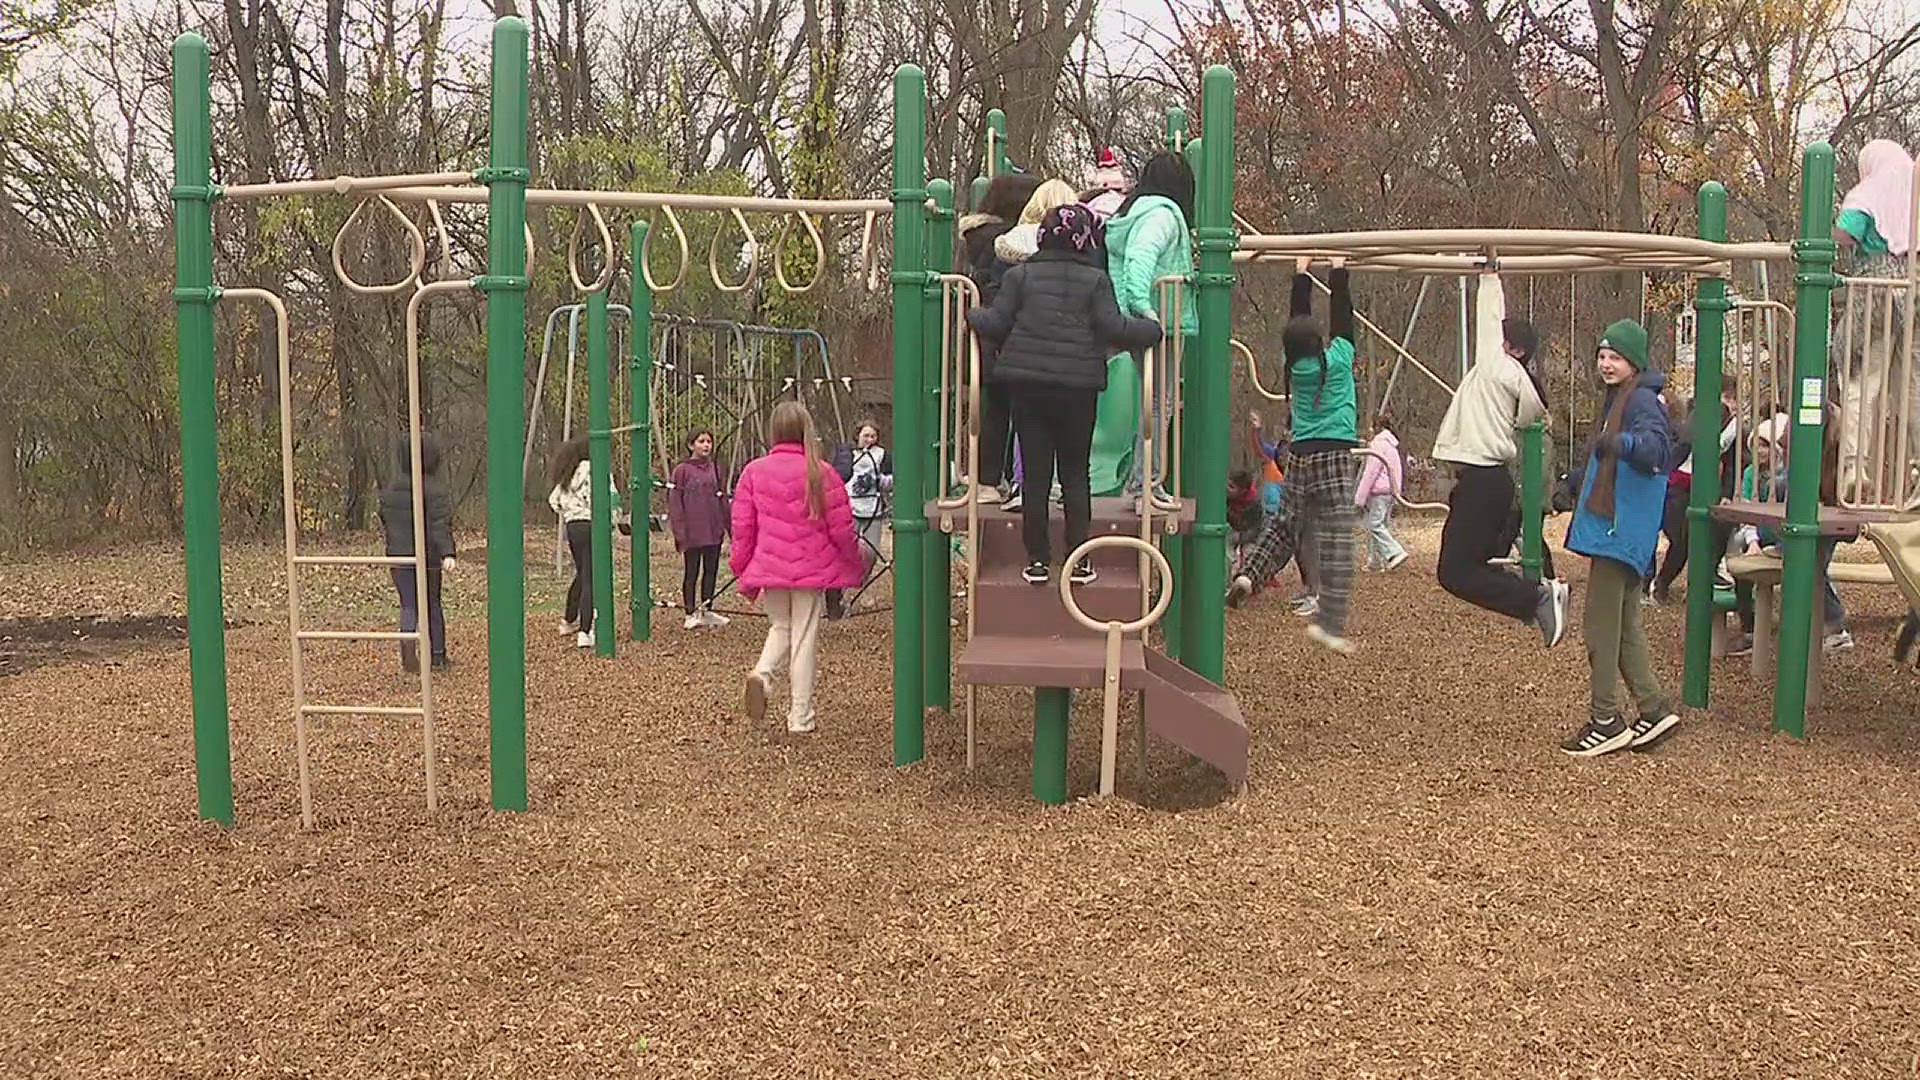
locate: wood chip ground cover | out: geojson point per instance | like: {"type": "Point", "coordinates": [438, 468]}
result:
{"type": "Point", "coordinates": [1417, 884]}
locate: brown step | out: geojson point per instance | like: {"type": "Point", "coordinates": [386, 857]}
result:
{"type": "Point", "coordinates": [1007, 604]}
{"type": "Point", "coordinates": [1000, 539]}
{"type": "Point", "coordinates": [1181, 707]}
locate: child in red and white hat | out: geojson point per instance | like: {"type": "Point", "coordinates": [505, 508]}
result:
{"type": "Point", "coordinates": [1110, 184]}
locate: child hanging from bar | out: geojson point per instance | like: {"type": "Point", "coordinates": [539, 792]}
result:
{"type": "Point", "coordinates": [1479, 437]}
{"type": "Point", "coordinates": [1320, 466]}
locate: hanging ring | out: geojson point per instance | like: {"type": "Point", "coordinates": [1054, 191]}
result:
{"type": "Point", "coordinates": [440, 235]}
{"type": "Point", "coordinates": [870, 251]}
{"type": "Point", "coordinates": [416, 242]}
{"type": "Point", "coordinates": [607, 263]}
{"type": "Point", "coordinates": [752, 250]}
{"type": "Point", "coordinates": [680, 240]}
{"type": "Point", "coordinates": [1253, 371]}
{"type": "Point", "coordinates": [780, 253]}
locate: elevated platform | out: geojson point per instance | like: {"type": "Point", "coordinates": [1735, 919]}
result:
{"type": "Point", "coordinates": [1024, 636]}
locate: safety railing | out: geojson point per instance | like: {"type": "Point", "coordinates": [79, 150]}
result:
{"type": "Point", "coordinates": [960, 361]}
{"type": "Point", "coordinates": [1759, 337]}
{"type": "Point", "coordinates": [1879, 394]}
{"type": "Point", "coordinates": [1115, 631]}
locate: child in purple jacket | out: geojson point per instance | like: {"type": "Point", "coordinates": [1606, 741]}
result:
{"type": "Point", "coordinates": [793, 539]}
{"type": "Point", "coordinates": [697, 513]}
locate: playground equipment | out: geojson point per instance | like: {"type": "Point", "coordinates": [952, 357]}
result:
{"type": "Point", "coordinates": [1016, 635]}
{"type": "Point", "coordinates": [503, 187]}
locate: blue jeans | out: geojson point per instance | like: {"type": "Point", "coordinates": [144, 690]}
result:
{"type": "Point", "coordinates": [403, 583]}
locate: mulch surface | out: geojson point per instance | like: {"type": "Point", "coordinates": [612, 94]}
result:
{"type": "Point", "coordinates": [1417, 884]}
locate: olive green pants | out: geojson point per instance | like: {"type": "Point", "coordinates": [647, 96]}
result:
{"type": "Point", "coordinates": [1617, 643]}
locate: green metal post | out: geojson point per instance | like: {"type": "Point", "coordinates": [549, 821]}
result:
{"type": "Point", "coordinates": [1710, 305]}
{"type": "Point", "coordinates": [909, 281]}
{"type": "Point", "coordinates": [506, 285]}
{"type": "Point", "coordinates": [1187, 605]}
{"type": "Point", "coordinates": [938, 680]}
{"type": "Point", "coordinates": [193, 298]}
{"type": "Point", "coordinates": [640, 448]}
{"type": "Point", "coordinates": [1532, 494]}
{"type": "Point", "coordinates": [600, 467]}
{"type": "Point", "coordinates": [1813, 307]}
{"type": "Point", "coordinates": [997, 161]}
{"type": "Point", "coordinates": [1205, 642]}
{"type": "Point", "coordinates": [1051, 707]}
{"type": "Point", "coordinates": [1176, 129]}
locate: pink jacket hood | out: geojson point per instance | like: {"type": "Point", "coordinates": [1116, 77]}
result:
{"type": "Point", "coordinates": [1378, 479]}
{"type": "Point", "coordinates": [775, 544]}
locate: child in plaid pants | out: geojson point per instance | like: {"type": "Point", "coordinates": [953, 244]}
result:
{"type": "Point", "coordinates": [1318, 499]}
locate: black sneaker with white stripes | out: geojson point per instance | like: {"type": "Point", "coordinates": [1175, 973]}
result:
{"type": "Point", "coordinates": [1036, 574]}
{"type": "Point", "coordinates": [1596, 738]}
{"type": "Point", "coordinates": [1649, 730]}
{"type": "Point", "coordinates": [1083, 573]}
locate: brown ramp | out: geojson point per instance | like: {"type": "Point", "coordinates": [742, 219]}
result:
{"type": "Point", "coordinates": [1195, 715]}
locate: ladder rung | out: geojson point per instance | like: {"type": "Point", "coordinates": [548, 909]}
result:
{"type": "Point", "coordinates": [364, 710]}
{"type": "Point", "coordinates": [360, 635]}
{"type": "Point", "coordinates": [353, 560]}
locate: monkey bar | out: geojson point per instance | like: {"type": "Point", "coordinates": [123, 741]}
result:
{"type": "Point", "coordinates": [1473, 251]}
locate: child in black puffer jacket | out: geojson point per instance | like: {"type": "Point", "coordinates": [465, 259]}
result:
{"type": "Point", "coordinates": [1055, 323]}
{"type": "Point", "coordinates": [396, 521]}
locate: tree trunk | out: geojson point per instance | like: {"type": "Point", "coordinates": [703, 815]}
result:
{"type": "Point", "coordinates": [10, 510]}
{"type": "Point", "coordinates": [245, 29]}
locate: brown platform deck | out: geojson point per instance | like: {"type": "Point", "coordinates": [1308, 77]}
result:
{"type": "Point", "coordinates": [1024, 636]}
{"type": "Point", "coordinates": [1834, 520]}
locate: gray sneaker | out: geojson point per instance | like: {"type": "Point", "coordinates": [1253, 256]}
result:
{"type": "Point", "coordinates": [1550, 615]}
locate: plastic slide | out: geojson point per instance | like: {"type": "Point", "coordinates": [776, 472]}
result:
{"type": "Point", "coordinates": [1899, 545]}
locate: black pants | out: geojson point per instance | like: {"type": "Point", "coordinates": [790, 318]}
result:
{"type": "Point", "coordinates": [702, 567]}
{"type": "Point", "coordinates": [1674, 527]}
{"type": "Point", "coordinates": [580, 592]}
{"type": "Point", "coordinates": [995, 438]}
{"type": "Point", "coordinates": [403, 583]}
{"type": "Point", "coordinates": [1056, 433]}
{"type": "Point", "coordinates": [1477, 514]}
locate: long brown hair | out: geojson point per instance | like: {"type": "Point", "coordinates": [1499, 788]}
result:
{"type": "Point", "coordinates": [792, 423]}
{"type": "Point", "coordinates": [565, 461]}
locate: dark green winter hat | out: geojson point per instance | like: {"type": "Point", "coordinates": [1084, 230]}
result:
{"type": "Point", "coordinates": [1629, 339]}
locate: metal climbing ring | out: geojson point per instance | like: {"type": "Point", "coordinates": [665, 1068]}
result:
{"type": "Point", "coordinates": [752, 250]}
{"type": "Point", "coordinates": [417, 243]}
{"type": "Point", "coordinates": [440, 235]}
{"type": "Point", "coordinates": [1162, 573]}
{"type": "Point", "coordinates": [1253, 371]}
{"type": "Point", "coordinates": [680, 239]}
{"type": "Point", "coordinates": [608, 262]}
{"type": "Point", "coordinates": [780, 253]}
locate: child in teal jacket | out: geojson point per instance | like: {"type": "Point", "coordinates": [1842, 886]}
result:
{"type": "Point", "coordinates": [1147, 240]}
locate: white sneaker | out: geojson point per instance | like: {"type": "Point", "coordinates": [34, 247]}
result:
{"type": "Point", "coordinates": [713, 618]}
{"type": "Point", "coordinates": [1839, 641]}
{"type": "Point", "coordinates": [568, 626]}
{"type": "Point", "coordinates": [1306, 606]}
{"type": "Point", "coordinates": [1240, 591]}
{"type": "Point", "coordinates": [1012, 504]}
{"type": "Point", "coordinates": [583, 639]}
{"type": "Point", "coordinates": [802, 727]}
{"type": "Point", "coordinates": [1319, 634]}
{"type": "Point", "coordinates": [1394, 563]}
{"type": "Point", "coordinates": [989, 496]}
{"type": "Point", "coordinates": [693, 622]}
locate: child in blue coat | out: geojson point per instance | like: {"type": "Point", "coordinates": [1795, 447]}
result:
{"type": "Point", "coordinates": [1616, 523]}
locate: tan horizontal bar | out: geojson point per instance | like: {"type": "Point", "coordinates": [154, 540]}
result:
{"type": "Point", "coordinates": [364, 710]}
{"type": "Point", "coordinates": [1502, 242]}
{"type": "Point", "coordinates": [355, 560]}
{"type": "Point", "coordinates": [1475, 264]}
{"type": "Point", "coordinates": [648, 200]}
{"type": "Point", "coordinates": [359, 635]}
{"type": "Point", "coordinates": [344, 185]}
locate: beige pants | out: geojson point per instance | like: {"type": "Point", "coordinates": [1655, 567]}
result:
{"type": "Point", "coordinates": [793, 636]}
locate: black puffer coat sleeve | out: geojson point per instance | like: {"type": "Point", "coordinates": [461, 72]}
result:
{"type": "Point", "coordinates": [1119, 331]}
{"type": "Point", "coordinates": [994, 323]}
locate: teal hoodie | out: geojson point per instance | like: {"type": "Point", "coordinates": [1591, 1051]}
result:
{"type": "Point", "coordinates": [1149, 242]}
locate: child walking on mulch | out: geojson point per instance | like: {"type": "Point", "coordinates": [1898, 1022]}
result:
{"type": "Point", "coordinates": [1382, 480]}
{"type": "Point", "coordinates": [868, 475]}
{"type": "Point", "coordinates": [1320, 471]}
{"type": "Point", "coordinates": [396, 520]}
{"type": "Point", "coordinates": [570, 494]}
{"type": "Point", "coordinates": [793, 539]}
{"type": "Point", "coordinates": [1616, 523]}
{"type": "Point", "coordinates": [697, 513]}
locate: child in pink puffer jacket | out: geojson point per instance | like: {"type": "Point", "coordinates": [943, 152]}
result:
{"type": "Point", "coordinates": [793, 539]}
